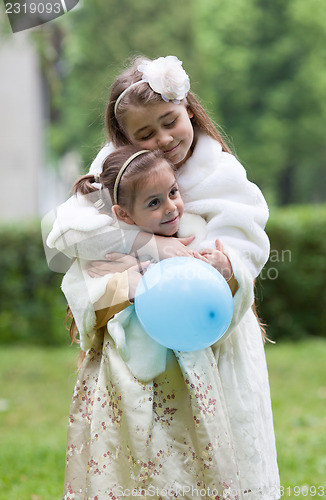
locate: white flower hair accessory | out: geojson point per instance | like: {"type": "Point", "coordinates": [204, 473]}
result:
{"type": "Point", "coordinates": [167, 77]}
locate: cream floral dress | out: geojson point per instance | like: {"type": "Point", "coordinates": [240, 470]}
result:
{"type": "Point", "coordinates": [164, 438]}
{"type": "Point", "coordinates": [201, 429]}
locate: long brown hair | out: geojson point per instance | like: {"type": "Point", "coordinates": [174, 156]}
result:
{"type": "Point", "coordinates": [142, 95]}
{"type": "Point", "coordinates": [73, 331]}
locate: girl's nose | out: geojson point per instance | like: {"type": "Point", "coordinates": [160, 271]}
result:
{"type": "Point", "coordinates": [170, 206]}
{"type": "Point", "coordinates": [164, 139]}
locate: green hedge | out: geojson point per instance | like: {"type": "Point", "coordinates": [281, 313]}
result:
{"type": "Point", "coordinates": [291, 291]}
{"type": "Point", "coordinates": [32, 306]}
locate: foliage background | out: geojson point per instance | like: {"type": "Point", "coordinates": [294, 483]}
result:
{"type": "Point", "coordinates": [259, 67]}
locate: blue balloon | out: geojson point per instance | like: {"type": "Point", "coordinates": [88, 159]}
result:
{"type": "Point", "coordinates": [184, 303]}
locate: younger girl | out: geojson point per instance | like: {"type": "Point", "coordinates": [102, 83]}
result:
{"type": "Point", "coordinates": [152, 107]}
{"type": "Point", "coordinates": [135, 423]}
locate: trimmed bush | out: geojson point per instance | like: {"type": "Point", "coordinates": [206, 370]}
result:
{"type": "Point", "coordinates": [291, 291]}
{"type": "Point", "coordinates": [32, 306]}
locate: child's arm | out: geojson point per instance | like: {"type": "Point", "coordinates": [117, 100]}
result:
{"type": "Point", "coordinates": [146, 245]}
{"type": "Point", "coordinates": [161, 247]}
{"type": "Point", "coordinates": [119, 294]}
{"type": "Point", "coordinates": [115, 263]}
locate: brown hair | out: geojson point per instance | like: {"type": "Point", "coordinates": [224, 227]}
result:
{"type": "Point", "coordinates": [73, 331]}
{"type": "Point", "coordinates": [142, 95]}
{"type": "Point", "coordinates": [136, 174]}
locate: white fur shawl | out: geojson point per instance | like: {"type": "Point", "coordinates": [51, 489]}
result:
{"type": "Point", "coordinates": [213, 185]}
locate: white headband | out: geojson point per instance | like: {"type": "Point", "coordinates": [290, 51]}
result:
{"type": "Point", "coordinates": [123, 93]}
{"type": "Point", "coordinates": [121, 171]}
{"type": "Point", "coordinates": [165, 76]}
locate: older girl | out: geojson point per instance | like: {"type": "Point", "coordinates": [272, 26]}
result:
{"type": "Point", "coordinates": [224, 390]}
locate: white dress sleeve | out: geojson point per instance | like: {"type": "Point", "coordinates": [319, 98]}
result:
{"type": "Point", "coordinates": [214, 185]}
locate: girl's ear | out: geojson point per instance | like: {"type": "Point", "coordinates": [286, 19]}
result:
{"type": "Point", "coordinates": [122, 214]}
{"type": "Point", "coordinates": [190, 113]}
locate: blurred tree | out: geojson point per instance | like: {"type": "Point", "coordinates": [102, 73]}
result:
{"type": "Point", "coordinates": [264, 70]}
{"type": "Point", "coordinates": [100, 37]}
{"type": "Point", "coordinates": [259, 67]}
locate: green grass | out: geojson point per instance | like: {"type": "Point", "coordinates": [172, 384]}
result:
{"type": "Point", "coordinates": [298, 387]}
{"type": "Point", "coordinates": [36, 387]}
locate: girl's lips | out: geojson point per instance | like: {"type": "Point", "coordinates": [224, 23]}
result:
{"type": "Point", "coordinates": [172, 149]}
{"type": "Point", "coordinates": [172, 221]}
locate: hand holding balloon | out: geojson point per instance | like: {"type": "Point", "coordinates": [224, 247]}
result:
{"type": "Point", "coordinates": [217, 258]}
{"type": "Point", "coordinates": [184, 304]}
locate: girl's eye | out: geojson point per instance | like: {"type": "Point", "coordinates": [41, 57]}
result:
{"type": "Point", "coordinates": [171, 124]}
{"type": "Point", "coordinates": [153, 203]}
{"type": "Point", "coordinates": [174, 191]}
{"type": "Point", "coordinates": [146, 137]}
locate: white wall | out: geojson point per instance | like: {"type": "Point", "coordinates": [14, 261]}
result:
{"type": "Point", "coordinates": [21, 128]}
{"type": "Point", "coordinates": [29, 187]}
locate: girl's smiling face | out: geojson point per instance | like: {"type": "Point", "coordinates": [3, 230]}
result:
{"type": "Point", "coordinates": [164, 126]}
{"type": "Point", "coordinates": [158, 205]}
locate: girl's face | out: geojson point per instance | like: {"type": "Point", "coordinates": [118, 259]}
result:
{"type": "Point", "coordinates": [158, 205]}
{"type": "Point", "coordinates": [164, 126]}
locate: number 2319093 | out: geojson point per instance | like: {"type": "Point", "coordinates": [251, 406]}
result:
{"type": "Point", "coordinates": [33, 8]}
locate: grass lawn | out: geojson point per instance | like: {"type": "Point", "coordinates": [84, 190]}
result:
{"type": "Point", "coordinates": [36, 387]}
{"type": "Point", "coordinates": [298, 388]}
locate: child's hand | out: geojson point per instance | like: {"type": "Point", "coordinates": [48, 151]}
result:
{"type": "Point", "coordinates": [177, 247]}
{"type": "Point", "coordinates": [218, 259]}
{"type": "Point", "coordinates": [162, 247]}
{"type": "Point", "coordinates": [116, 263]}
{"type": "Point", "coordinates": [135, 274]}
{"type": "Point", "coordinates": [174, 247]}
